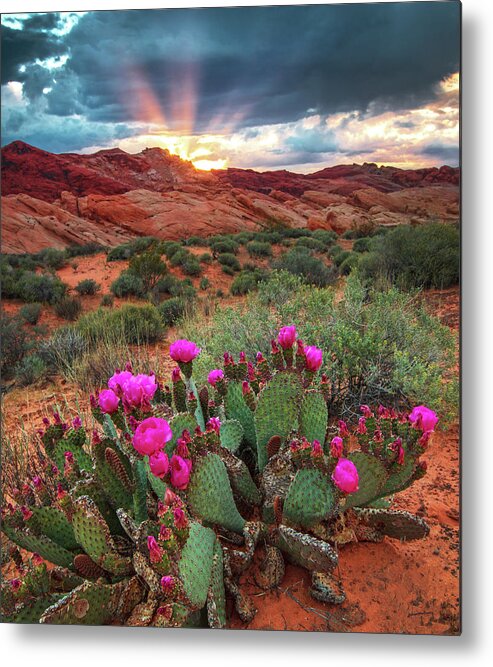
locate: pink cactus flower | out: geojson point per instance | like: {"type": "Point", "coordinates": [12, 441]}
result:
{"type": "Point", "coordinates": [362, 426]}
{"type": "Point", "coordinates": [180, 518]}
{"type": "Point", "coordinates": [287, 337]}
{"type": "Point", "coordinates": [159, 464]}
{"type": "Point", "coordinates": [168, 584]}
{"type": "Point", "coordinates": [139, 390]}
{"type": "Point", "coordinates": [423, 418]}
{"type": "Point", "coordinates": [214, 424]}
{"type": "Point", "coordinates": [336, 447]}
{"type": "Point", "coordinates": [180, 472]}
{"type": "Point", "coordinates": [155, 551]}
{"type": "Point", "coordinates": [313, 358]}
{"type": "Point", "coordinates": [151, 435]}
{"type": "Point", "coordinates": [15, 584]}
{"type": "Point", "coordinates": [108, 401]}
{"type": "Point", "coordinates": [366, 411]}
{"type": "Point", "coordinates": [345, 476]}
{"type": "Point", "coordinates": [118, 380]}
{"type": "Point", "coordinates": [215, 376]}
{"type": "Point", "coordinates": [183, 350]}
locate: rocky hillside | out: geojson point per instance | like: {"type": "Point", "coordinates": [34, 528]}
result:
{"type": "Point", "coordinates": [110, 196]}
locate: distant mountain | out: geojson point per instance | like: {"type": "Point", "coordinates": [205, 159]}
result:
{"type": "Point", "coordinates": [111, 196]}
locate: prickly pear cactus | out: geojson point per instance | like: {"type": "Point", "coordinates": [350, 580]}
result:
{"type": "Point", "coordinates": [140, 518]}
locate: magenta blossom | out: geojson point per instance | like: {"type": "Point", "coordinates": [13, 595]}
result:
{"type": "Point", "coordinates": [168, 584]}
{"type": "Point", "coordinates": [287, 337]}
{"type": "Point", "coordinates": [336, 447]}
{"type": "Point", "coordinates": [183, 350]}
{"type": "Point", "coordinates": [155, 551]}
{"type": "Point", "coordinates": [362, 426]}
{"type": "Point", "coordinates": [345, 476]}
{"type": "Point", "coordinates": [214, 424]}
{"type": "Point", "coordinates": [118, 380]}
{"type": "Point", "coordinates": [151, 435]}
{"type": "Point", "coordinates": [139, 390]}
{"type": "Point", "coordinates": [423, 418]}
{"type": "Point", "coordinates": [317, 448]}
{"type": "Point", "coordinates": [108, 401]}
{"type": "Point", "coordinates": [313, 358]}
{"type": "Point", "coordinates": [366, 410]}
{"type": "Point", "coordinates": [215, 376]}
{"type": "Point", "coordinates": [15, 584]}
{"type": "Point", "coordinates": [159, 464]}
{"type": "Point", "coordinates": [180, 518]}
{"type": "Point", "coordinates": [180, 471]}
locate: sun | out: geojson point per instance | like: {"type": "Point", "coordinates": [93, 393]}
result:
{"type": "Point", "coordinates": [207, 165]}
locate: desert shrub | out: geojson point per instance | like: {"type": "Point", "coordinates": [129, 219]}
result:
{"type": "Point", "coordinates": [224, 246]}
{"type": "Point", "coordinates": [87, 287]}
{"type": "Point", "coordinates": [127, 284]}
{"type": "Point", "coordinates": [311, 243]}
{"type": "Point", "coordinates": [269, 237]}
{"type": "Point", "coordinates": [259, 249]}
{"type": "Point", "coordinates": [172, 310]}
{"type": "Point", "coordinates": [279, 288]}
{"type": "Point", "coordinates": [14, 343]}
{"type": "Point", "coordinates": [363, 229]}
{"type": "Point", "coordinates": [51, 258]}
{"type": "Point", "coordinates": [195, 241]}
{"type": "Point", "coordinates": [220, 294]}
{"type": "Point", "coordinates": [229, 260]}
{"type": "Point", "coordinates": [60, 351]}
{"type": "Point", "coordinates": [30, 313]}
{"type": "Point", "coordinates": [24, 262]}
{"type": "Point", "coordinates": [327, 236]}
{"type": "Point", "coordinates": [362, 244]}
{"type": "Point", "coordinates": [349, 263]}
{"type": "Point", "coordinates": [130, 324]}
{"type": "Point", "coordinates": [205, 283]}
{"type": "Point", "coordinates": [107, 301]}
{"type": "Point", "coordinates": [299, 262]}
{"type": "Point", "coordinates": [131, 248]}
{"type": "Point", "coordinates": [31, 369]}
{"type": "Point", "coordinates": [69, 308]}
{"type": "Point", "coordinates": [247, 281]}
{"type": "Point", "coordinates": [169, 248]}
{"type": "Point", "coordinates": [378, 346]}
{"type": "Point", "coordinates": [296, 232]}
{"type": "Point", "coordinates": [334, 251]}
{"type": "Point", "coordinates": [42, 288]}
{"type": "Point", "coordinates": [83, 250]}
{"type": "Point", "coordinates": [148, 267]}
{"type": "Point", "coordinates": [191, 266]}
{"type": "Point", "coordinates": [426, 256]}
{"type": "Point", "coordinates": [179, 257]}
{"type": "Point", "coordinates": [205, 258]}
{"type": "Point", "coordinates": [244, 237]}
{"type": "Point", "coordinates": [341, 257]}
{"type": "Point", "coordinates": [228, 270]}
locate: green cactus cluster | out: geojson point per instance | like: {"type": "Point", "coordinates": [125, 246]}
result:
{"type": "Point", "coordinates": [133, 547]}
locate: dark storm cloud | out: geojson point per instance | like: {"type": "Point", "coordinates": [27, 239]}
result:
{"type": "Point", "coordinates": [276, 61]}
{"type": "Point", "coordinates": [445, 154]}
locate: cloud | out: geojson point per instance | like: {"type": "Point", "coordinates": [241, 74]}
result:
{"type": "Point", "coordinates": [254, 74]}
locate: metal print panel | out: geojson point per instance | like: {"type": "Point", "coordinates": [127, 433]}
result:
{"type": "Point", "coordinates": [230, 281]}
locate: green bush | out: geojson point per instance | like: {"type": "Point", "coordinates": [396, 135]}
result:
{"type": "Point", "coordinates": [205, 258]}
{"type": "Point", "coordinates": [148, 267]}
{"type": "Point", "coordinates": [244, 237]}
{"type": "Point", "coordinates": [14, 343]}
{"type": "Point", "coordinates": [311, 243]}
{"type": "Point", "coordinates": [328, 237]}
{"type": "Point", "coordinates": [247, 281]}
{"type": "Point", "coordinates": [130, 324]}
{"type": "Point", "coordinates": [349, 263]}
{"type": "Point", "coordinates": [42, 288]}
{"type": "Point", "coordinates": [229, 260]}
{"type": "Point", "coordinates": [107, 301]}
{"type": "Point", "coordinates": [205, 283]}
{"type": "Point", "coordinates": [341, 257]}
{"type": "Point", "coordinates": [259, 249]}
{"type": "Point", "coordinates": [409, 257]}
{"type": "Point", "coordinates": [84, 250]}
{"type": "Point", "coordinates": [225, 246]}
{"type": "Point", "coordinates": [131, 248]}
{"type": "Point", "coordinates": [31, 369]}
{"type": "Point", "coordinates": [87, 287]}
{"type": "Point", "coordinates": [299, 262]}
{"type": "Point", "coordinates": [69, 308]}
{"type": "Point", "coordinates": [179, 257]}
{"type": "Point", "coordinates": [31, 313]}
{"type": "Point", "coordinates": [51, 258]}
{"type": "Point", "coordinates": [62, 349]}
{"type": "Point", "coordinates": [378, 346]}
{"type": "Point", "coordinates": [195, 241]}
{"type": "Point", "coordinates": [171, 247]}
{"type": "Point", "coordinates": [362, 245]}
{"type": "Point", "coordinates": [334, 251]}
{"type": "Point", "coordinates": [127, 284]}
{"type": "Point", "coordinates": [191, 266]}
{"type": "Point", "coordinates": [172, 310]}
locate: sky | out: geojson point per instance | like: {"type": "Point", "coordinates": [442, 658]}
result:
{"type": "Point", "coordinates": [290, 87]}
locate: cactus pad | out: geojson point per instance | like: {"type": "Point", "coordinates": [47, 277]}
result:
{"type": "Point", "coordinates": [305, 550]}
{"type": "Point", "coordinates": [88, 604]}
{"type": "Point", "coordinates": [231, 434]}
{"type": "Point", "coordinates": [53, 523]}
{"type": "Point", "coordinates": [216, 598]}
{"type": "Point", "coordinates": [395, 523]}
{"type": "Point", "coordinates": [180, 422]}
{"type": "Point", "coordinates": [277, 411]}
{"type": "Point", "coordinates": [195, 566]}
{"type": "Point", "coordinates": [313, 417]}
{"type": "Point", "coordinates": [210, 496]}
{"type": "Point", "coordinates": [372, 477]}
{"type": "Point", "coordinates": [310, 499]}
{"type": "Point", "coordinates": [236, 408]}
